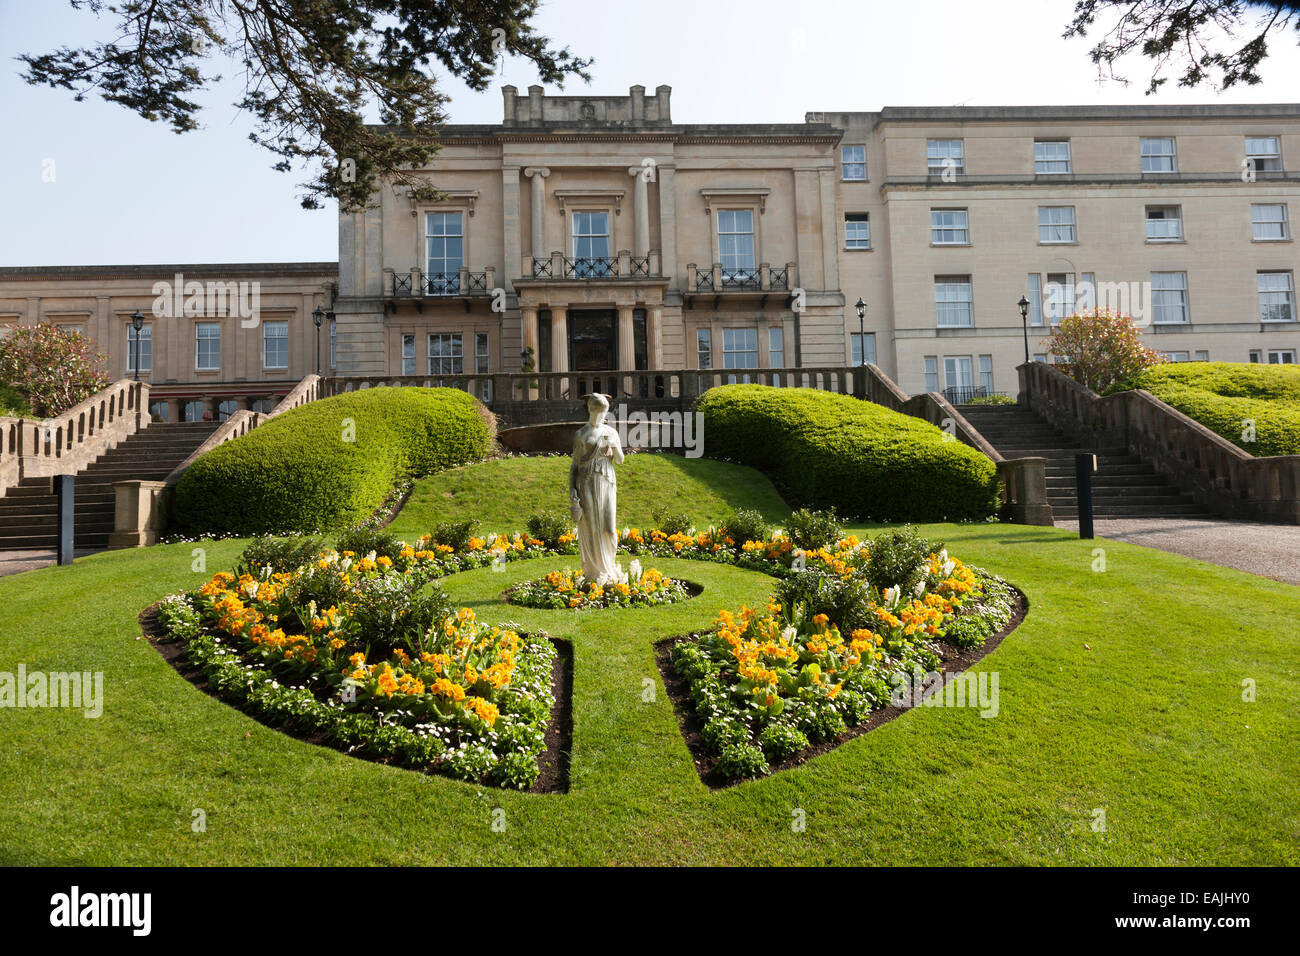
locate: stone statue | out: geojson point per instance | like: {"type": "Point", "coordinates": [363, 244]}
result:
{"type": "Point", "coordinates": [593, 492]}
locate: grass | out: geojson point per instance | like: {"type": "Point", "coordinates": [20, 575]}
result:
{"type": "Point", "coordinates": [501, 494]}
{"type": "Point", "coordinates": [1122, 691]}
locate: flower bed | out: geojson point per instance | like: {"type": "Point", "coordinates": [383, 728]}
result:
{"type": "Point", "coordinates": [568, 589]}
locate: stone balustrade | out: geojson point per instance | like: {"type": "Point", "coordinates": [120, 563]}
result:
{"type": "Point", "coordinates": [1217, 473]}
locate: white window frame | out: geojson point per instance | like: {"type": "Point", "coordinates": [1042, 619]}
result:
{"type": "Point", "coordinates": [1176, 218]}
{"type": "Point", "coordinates": [949, 226]}
{"type": "Point", "coordinates": [851, 164]}
{"type": "Point", "coordinates": [940, 152]}
{"type": "Point", "coordinates": [1061, 297]}
{"type": "Point", "coordinates": [775, 346]}
{"type": "Point", "coordinates": [1257, 221]}
{"type": "Point", "coordinates": [857, 231]}
{"type": "Point", "coordinates": [447, 266]}
{"type": "Point", "coordinates": [1036, 300]}
{"type": "Point", "coordinates": [1158, 157]}
{"type": "Point", "coordinates": [455, 355]}
{"type": "Point", "coordinates": [146, 348]}
{"type": "Point", "coordinates": [731, 260]}
{"type": "Point", "coordinates": [943, 284]}
{"type": "Point", "coordinates": [1045, 164]}
{"type": "Point", "coordinates": [408, 354]}
{"type": "Point", "coordinates": [704, 348]}
{"type": "Point", "coordinates": [1281, 356]}
{"type": "Point", "coordinates": [334, 342]}
{"type": "Point", "coordinates": [986, 373]}
{"type": "Point", "coordinates": [1262, 161]}
{"type": "Point", "coordinates": [740, 344]}
{"type": "Point", "coordinates": [279, 326]}
{"type": "Point", "coordinates": [1287, 293]}
{"type": "Point", "coordinates": [931, 365]}
{"type": "Point", "coordinates": [200, 338]}
{"type": "Point", "coordinates": [856, 340]}
{"type": "Point", "coordinates": [1184, 304]}
{"type": "Point", "coordinates": [1057, 225]}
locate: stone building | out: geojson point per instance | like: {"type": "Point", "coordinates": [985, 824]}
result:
{"type": "Point", "coordinates": [587, 234]}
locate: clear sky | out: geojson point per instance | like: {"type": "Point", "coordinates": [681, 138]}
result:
{"type": "Point", "coordinates": [129, 191]}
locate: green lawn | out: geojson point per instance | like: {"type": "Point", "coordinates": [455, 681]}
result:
{"type": "Point", "coordinates": [1121, 691]}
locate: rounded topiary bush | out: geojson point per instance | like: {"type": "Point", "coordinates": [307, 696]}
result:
{"type": "Point", "coordinates": [330, 463]}
{"type": "Point", "coordinates": [828, 450]}
{"type": "Point", "coordinates": [1226, 396]}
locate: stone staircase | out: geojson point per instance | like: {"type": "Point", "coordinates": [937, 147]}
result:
{"type": "Point", "coordinates": [1123, 486]}
{"type": "Point", "coordinates": [29, 510]}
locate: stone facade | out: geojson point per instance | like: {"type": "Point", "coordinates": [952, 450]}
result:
{"type": "Point", "coordinates": [594, 233]}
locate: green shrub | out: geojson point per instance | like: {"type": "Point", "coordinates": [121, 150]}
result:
{"type": "Point", "coordinates": [779, 740]}
{"type": "Point", "coordinates": [13, 403]}
{"type": "Point", "coordinates": [1226, 396]}
{"type": "Point", "coordinates": [390, 613]}
{"type": "Point", "coordinates": [276, 554]}
{"type": "Point", "coordinates": [746, 525]}
{"type": "Point", "coordinates": [454, 534]}
{"type": "Point", "coordinates": [361, 541]}
{"type": "Point", "coordinates": [741, 760]}
{"type": "Point", "coordinates": [810, 528]}
{"type": "Point", "coordinates": [547, 526]}
{"type": "Point", "coordinates": [992, 400]}
{"type": "Point", "coordinates": [330, 463]}
{"type": "Point", "coordinates": [673, 523]}
{"type": "Point", "coordinates": [845, 601]}
{"type": "Point", "coordinates": [826, 449]}
{"type": "Point", "coordinates": [898, 558]}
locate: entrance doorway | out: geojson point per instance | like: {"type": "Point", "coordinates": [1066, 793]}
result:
{"type": "Point", "coordinates": [593, 340]}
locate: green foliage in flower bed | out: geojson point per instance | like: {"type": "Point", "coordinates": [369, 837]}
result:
{"type": "Point", "coordinates": [1226, 396]}
{"type": "Point", "coordinates": [330, 463]}
{"type": "Point", "coordinates": [834, 450]}
{"type": "Point", "coordinates": [568, 589]}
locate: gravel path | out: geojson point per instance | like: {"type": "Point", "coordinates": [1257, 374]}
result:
{"type": "Point", "coordinates": [16, 562]}
{"type": "Point", "coordinates": [1269, 550]}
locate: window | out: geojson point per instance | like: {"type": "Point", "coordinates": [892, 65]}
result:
{"type": "Point", "coordinates": [1281, 356]}
{"type": "Point", "coordinates": [1264, 153]}
{"type": "Point", "coordinates": [954, 305]}
{"type": "Point", "coordinates": [334, 343]}
{"type": "Point", "coordinates": [445, 252]}
{"type": "Point", "coordinates": [739, 348]}
{"type": "Point", "coordinates": [949, 227]}
{"type": "Point", "coordinates": [945, 157]}
{"type": "Point", "coordinates": [857, 230]}
{"type": "Point", "coordinates": [858, 340]}
{"type": "Point", "coordinates": [1061, 301]}
{"type": "Point", "coordinates": [275, 345]}
{"type": "Point", "coordinates": [194, 411]}
{"type": "Point", "coordinates": [704, 348]}
{"type": "Point", "coordinates": [776, 347]}
{"type": "Point", "coordinates": [1040, 357]}
{"type": "Point", "coordinates": [1158, 155]}
{"type": "Point", "coordinates": [1256, 355]}
{"type": "Point", "coordinates": [445, 355]}
{"type": "Point", "coordinates": [1268, 222]}
{"type": "Point", "coordinates": [931, 373]}
{"type": "Point", "coordinates": [1051, 157]}
{"type": "Point", "coordinates": [1276, 297]}
{"type": "Point", "coordinates": [408, 354]}
{"type": "Point", "coordinates": [1035, 298]}
{"type": "Point", "coordinates": [1056, 224]}
{"type": "Point", "coordinates": [1169, 298]}
{"type": "Point", "coordinates": [146, 348]}
{"type": "Point", "coordinates": [158, 411]}
{"type": "Point", "coordinates": [207, 346]}
{"type": "Point", "coordinates": [482, 357]}
{"type": "Point", "coordinates": [1202, 355]}
{"type": "Point", "coordinates": [853, 163]}
{"type": "Point", "coordinates": [591, 244]}
{"type": "Point", "coordinates": [986, 374]}
{"type": "Point", "coordinates": [225, 408]}
{"type": "Point", "coordinates": [1086, 300]}
{"type": "Point", "coordinates": [1164, 223]}
{"type": "Point", "coordinates": [958, 383]}
{"type": "Point", "coordinates": [262, 405]}
{"type": "Point", "coordinates": [1178, 356]}
{"type": "Point", "coordinates": [736, 244]}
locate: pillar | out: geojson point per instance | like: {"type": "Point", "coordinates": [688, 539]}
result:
{"type": "Point", "coordinates": [641, 208]}
{"type": "Point", "coordinates": [626, 345]}
{"type": "Point", "coordinates": [559, 339]}
{"type": "Point", "coordinates": [538, 175]}
{"type": "Point", "coordinates": [654, 336]}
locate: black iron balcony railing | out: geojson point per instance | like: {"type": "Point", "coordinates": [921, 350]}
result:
{"type": "Point", "coordinates": [960, 394]}
{"type": "Point", "coordinates": [719, 279]}
{"type": "Point", "coordinates": [740, 278]}
{"type": "Point", "coordinates": [590, 267]}
{"type": "Point", "coordinates": [622, 266]}
{"type": "Point", "coordinates": [778, 277]}
{"type": "Point", "coordinates": [461, 283]}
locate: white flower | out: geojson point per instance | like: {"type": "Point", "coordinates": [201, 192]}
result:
{"type": "Point", "coordinates": [789, 634]}
{"type": "Point", "coordinates": [634, 570]}
{"type": "Point", "coordinates": [919, 589]}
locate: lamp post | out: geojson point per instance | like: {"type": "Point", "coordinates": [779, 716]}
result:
{"type": "Point", "coordinates": [137, 323]}
{"type": "Point", "coordinates": [318, 316]}
{"type": "Point", "coordinates": [862, 331]}
{"type": "Point", "coordinates": [1024, 323]}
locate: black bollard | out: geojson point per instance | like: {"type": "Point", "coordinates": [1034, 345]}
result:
{"type": "Point", "coordinates": [64, 491]}
{"type": "Point", "coordinates": [1084, 466]}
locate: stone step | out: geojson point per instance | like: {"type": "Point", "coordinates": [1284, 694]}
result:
{"type": "Point", "coordinates": [1133, 511]}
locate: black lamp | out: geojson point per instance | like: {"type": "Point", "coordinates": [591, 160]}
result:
{"type": "Point", "coordinates": [318, 316]}
{"type": "Point", "coordinates": [1024, 322]}
{"type": "Point", "coordinates": [862, 329]}
{"type": "Point", "coordinates": [137, 323]}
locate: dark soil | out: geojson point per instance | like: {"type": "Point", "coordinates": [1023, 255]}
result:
{"type": "Point", "coordinates": [553, 761]}
{"type": "Point", "coordinates": [955, 661]}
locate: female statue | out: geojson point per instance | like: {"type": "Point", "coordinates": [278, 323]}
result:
{"type": "Point", "coordinates": [593, 492]}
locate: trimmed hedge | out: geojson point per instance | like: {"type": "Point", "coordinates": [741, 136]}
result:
{"type": "Point", "coordinates": [1223, 395]}
{"type": "Point", "coordinates": [300, 471]}
{"type": "Point", "coordinates": [826, 450]}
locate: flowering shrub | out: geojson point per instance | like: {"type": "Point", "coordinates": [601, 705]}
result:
{"type": "Point", "coordinates": [1101, 349]}
{"type": "Point", "coordinates": [54, 368]}
{"type": "Point", "coordinates": [569, 589]}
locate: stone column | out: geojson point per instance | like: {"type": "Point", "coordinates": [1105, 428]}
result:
{"type": "Point", "coordinates": [559, 339]}
{"type": "Point", "coordinates": [641, 208]}
{"type": "Point", "coordinates": [529, 335]}
{"type": "Point", "coordinates": [538, 175]}
{"type": "Point", "coordinates": [626, 345]}
{"type": "Point", "coordinates": [654, 336]}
